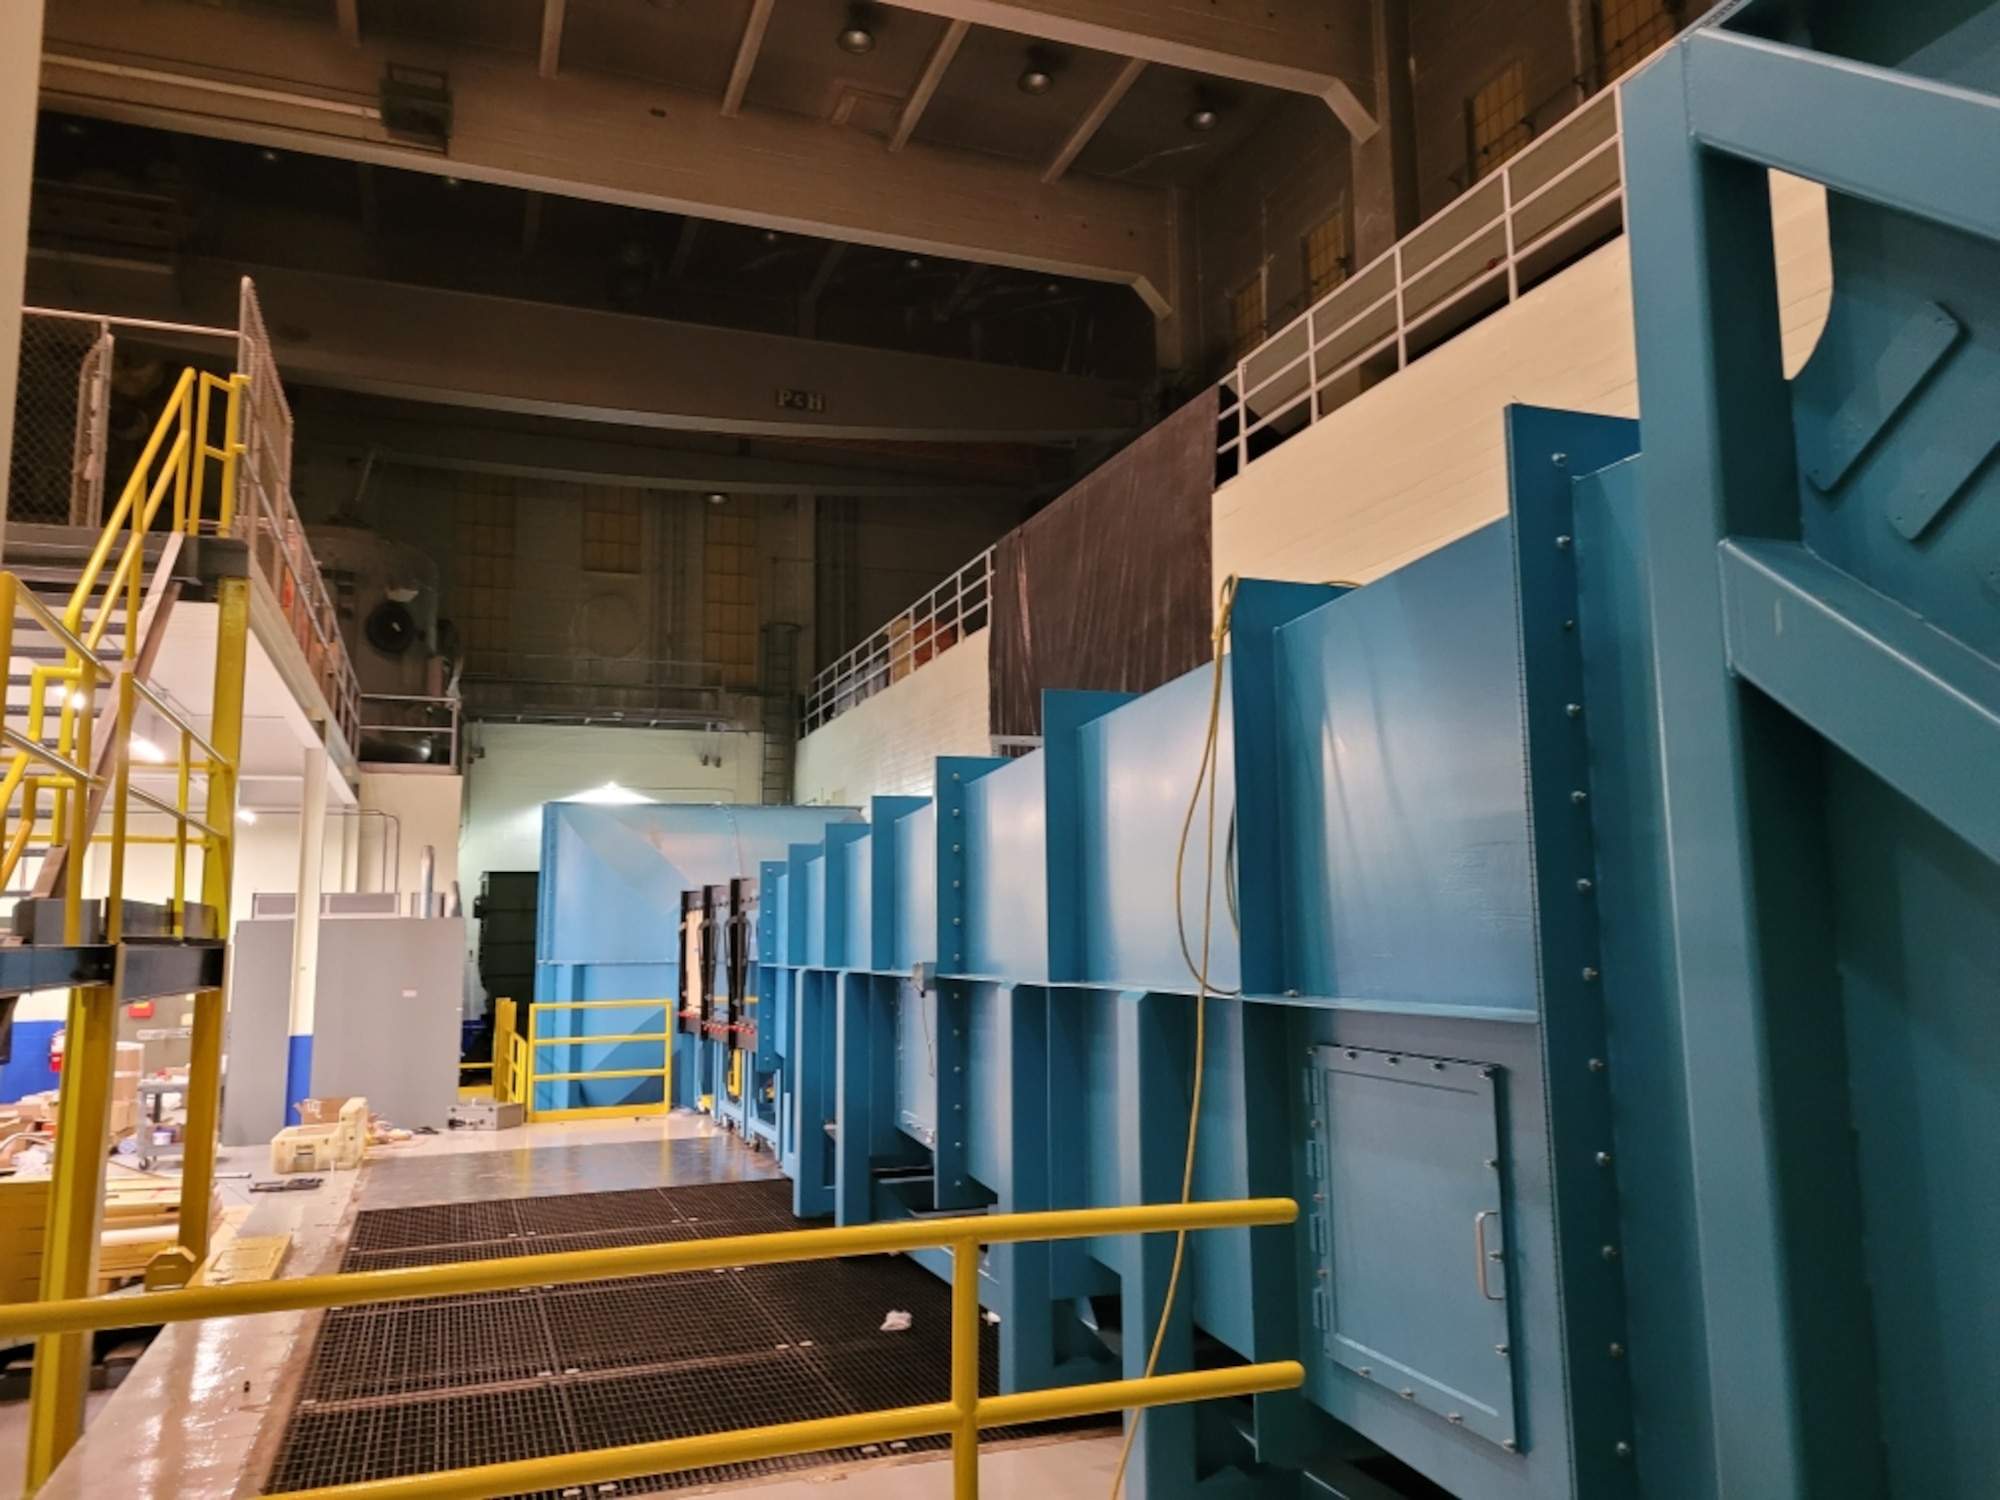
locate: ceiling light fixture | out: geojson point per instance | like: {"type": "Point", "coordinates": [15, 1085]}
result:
{"type": "Point", "coordinates": [245, 815]}
{"type": "Point", "coordinates": [856, 38]}
{"type": "Point", "coordinates": [79, 699]}
{"type": "Point", "coordinates": [611, 793]}
{"type": "Point", "coordinates": [1203, 117]}
{"type": "Point", "coordinates": [144, 749]}
{"type": "Point", "coordinates": [1034, 80]}
{"type": "Point", "coordinates": [914, 263]}
{"type": "Point", "coordinates": [716, 497]}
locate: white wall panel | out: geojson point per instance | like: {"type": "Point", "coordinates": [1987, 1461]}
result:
{"type": "Point", "coordinates": [1421, 459]}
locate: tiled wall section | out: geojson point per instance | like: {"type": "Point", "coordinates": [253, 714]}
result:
{"type": "Point", "coordinates": [1421, 459]}
{"type": "Point", "coordinates": [890, 744]}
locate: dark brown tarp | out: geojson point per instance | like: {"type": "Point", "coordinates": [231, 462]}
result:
{"type": "Point", "coordinates": [1109, 588]}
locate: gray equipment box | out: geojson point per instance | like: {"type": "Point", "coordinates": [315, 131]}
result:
{"type": "Point", "coordinates": [483, 1114]}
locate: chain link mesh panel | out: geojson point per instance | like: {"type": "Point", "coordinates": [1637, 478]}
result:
{"type": "Point", "coordinates": [56, 470]}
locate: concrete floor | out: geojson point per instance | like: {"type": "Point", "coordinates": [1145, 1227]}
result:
{"type": "Point", "coordinates": [189, 1423]}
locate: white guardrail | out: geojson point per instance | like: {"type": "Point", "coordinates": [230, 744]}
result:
{"type": "Point", "coordinates": [1552, 202]}
{"type": "Point", "coordinates": [933, 625]}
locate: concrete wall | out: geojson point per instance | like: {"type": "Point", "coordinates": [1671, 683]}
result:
{"type": "Point", "coordinates": [890, 744]}
{"type": "Point", "coordinates": [1421, 459]}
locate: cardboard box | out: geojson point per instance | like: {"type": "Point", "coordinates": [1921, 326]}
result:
{"type": "Point", "coordinates": [348, 1115]}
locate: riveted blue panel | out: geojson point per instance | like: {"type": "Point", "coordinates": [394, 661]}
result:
{"type": "Point", "coordinates": [888, 875]}
{"type": "Point", "coordinates": [1138, 766]}
{"type": "Point", "coordinates": [1006, 916]}
{"type": "Point", "coordinates": [1406, 818]}
{"type": "Point", "coordinates": [916, 889]}
{"type": "Point", "coordinates": [815, 906]}
{"type": "Point", "coordinates": [858, 926]}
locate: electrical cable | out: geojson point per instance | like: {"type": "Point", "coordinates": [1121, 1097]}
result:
{"type": "Point", "coordinates": [1209, 773]}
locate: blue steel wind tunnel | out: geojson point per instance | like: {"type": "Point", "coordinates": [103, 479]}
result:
{"type": "Point", "coordinates": [1606, 911]}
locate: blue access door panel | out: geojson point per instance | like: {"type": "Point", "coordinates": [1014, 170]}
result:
{"type": "Point", "coordinates": [1411, 1234]}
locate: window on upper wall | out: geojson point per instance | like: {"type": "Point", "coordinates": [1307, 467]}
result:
{"type": "Point", "coordinates": [483, 569]}
{"type": "Point", "coordinates": [1496, 120]}
{"type": "Point", "coordinates": [611, 531]}
{"type": "Point", "coordinates": [729, 598]}
{"type": "Point", "coordinates": [1246, 315]}
{"type": "Point", "coordinates": [1326, 256]}
{"type": "Point", "coordinates": [1630, 31]}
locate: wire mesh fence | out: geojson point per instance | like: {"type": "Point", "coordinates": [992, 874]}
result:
{"type": "Point", "coordinates": [56, 468]}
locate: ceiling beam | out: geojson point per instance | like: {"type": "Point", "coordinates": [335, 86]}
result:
{"type": "Point", "coordinates": [927, 82]}
{"type": "Point", "coordinates": [1317, 47]}
{"type": "Point", "coordinates": [448, 348]}
{"type": "Point", "coordinates": [752, 42]}
{"type": "Point", "coordinates": [471, 448]}
{"type": "Point", "coordinates": [599, 137]}
{"type": "Point", "coordinates": [829, 262]}
{"type": "Point", "coordinates": [1093, 118]}
{"type": "Point", "coordinates": [552, 34]}
{"type": "Point", "coordinates": [347, 15]}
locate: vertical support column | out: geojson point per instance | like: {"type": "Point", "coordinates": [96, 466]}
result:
{"type": "Point", "coordinates": [1021, 1271]}
{"type": "Point", "coordinates": [854, 1092]}
{"type": "Point", "coordinates": [1792, 1392]}
{"type": "Point", "coordinates": [305, 932]}
{"type": "Point", "coordinates": [204, 1096]}
{"type": "Point", "coordinates": [967, 1369]}
{"type": "Point", "coordinates": [953, 1168]}
{"type": "Point", "coordinates": [20, 88]}
{"type": "Point", "coordinates": [1155, 1045]}
{"type": "Point", "coordinates": [813, 1067]}
{"type": "Point", "coordinates": [1385, 165]}
{"type": "Point", "coordinates": [76, 1211]}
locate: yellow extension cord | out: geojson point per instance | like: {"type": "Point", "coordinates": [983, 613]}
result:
{"type": "Point", "coordinates": [1209, 773]}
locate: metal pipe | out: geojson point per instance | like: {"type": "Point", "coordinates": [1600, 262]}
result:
{"type": "Point", "coordinates": [426, 878]}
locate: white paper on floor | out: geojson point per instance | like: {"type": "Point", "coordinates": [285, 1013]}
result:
{"type": "Point", "coordinates": [897, 1322]}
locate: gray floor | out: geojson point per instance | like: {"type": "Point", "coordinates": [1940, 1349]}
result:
{"type": "Point", "coordinates": [596, 1167]}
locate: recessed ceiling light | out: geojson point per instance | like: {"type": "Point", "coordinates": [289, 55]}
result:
{"type": "Point", "coordinates": [770, 236]}
{"type": "Point", "coordinates": [914, 263]}
{"type": "Point", "coordinates": [268, 156]}
{"type": "Point", "coordinates": [856, 38]}
{"type": "Point", "coordinates": [451, 182]}
{"type": "Point", "coordinates": [1201, 117]}
{"type": "Point", "coordinates": [1036, 81]}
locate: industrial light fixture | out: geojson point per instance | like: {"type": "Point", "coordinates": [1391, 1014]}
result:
{"type": "Point", "coordinates": [611, 793]}
{"type": "Point", "coordinates": [79, 699]}
{"type": "Point", "coordinates": [1203, 117]}
{"type": "Point", "coordinates": [1040, 74]}
{"type": "Point", "coordinates": [855, 37]}
{"type": "Point", "coordinates": [716, 497]}
{"type": "Point", "coordinates": [144, 749]}
{"type": "Point", "coordinates": [914, 263]}
{"type": "Point", "coordinates": [245, 815]}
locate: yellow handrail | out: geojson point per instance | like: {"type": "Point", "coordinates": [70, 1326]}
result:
{"type": "Point", "coordinates": [962, 1416]}
{"type": "Point", "coordinates": [531, 1071]}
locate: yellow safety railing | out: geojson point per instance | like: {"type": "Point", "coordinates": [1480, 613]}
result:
{"type": "Point", "coordinates": [531, 1074]}
{"type": "Point", "coordinates": [80, 776]}
{"type": "Point", "coordinates": [962, 1416]}
{"type": "Point", "coordinates": [174, 462]}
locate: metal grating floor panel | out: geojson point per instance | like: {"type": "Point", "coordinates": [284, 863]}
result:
{"type": "Point", "coordinates": [453, 1381]}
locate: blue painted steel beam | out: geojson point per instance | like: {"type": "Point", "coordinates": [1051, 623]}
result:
{"type": "Point", "coordinates": [1861, 130]}
{"type": "Point", "coordinates": [1918, 708]}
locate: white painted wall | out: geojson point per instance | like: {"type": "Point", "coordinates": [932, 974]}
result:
{"type": "Point", "coordinates": [428, 808]}
{"type": "Point", "coordinates": [1421, 460]}
{"type": "Point", "coordinates": [518, 767]}
{"type": "Point", "coordinates": [889, 745]}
